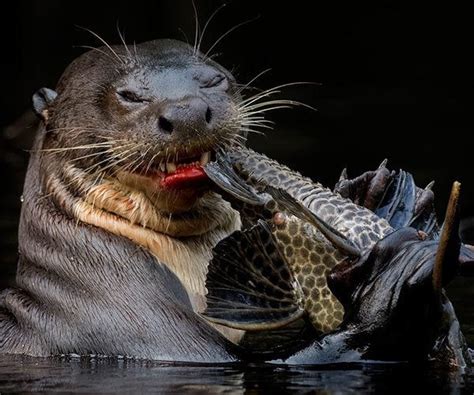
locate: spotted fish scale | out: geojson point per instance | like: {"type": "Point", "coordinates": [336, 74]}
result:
{"type": "Point", "coordinates": [311, 258]}
{"type": "Point", "coordinates": [308, 231]}
{"type": "Point", "coordinates": [309, 248]}
{"type": "Point", "coordinates": [357, 223]}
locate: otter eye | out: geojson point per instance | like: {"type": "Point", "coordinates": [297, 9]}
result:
{"type": "Point", "coordinates": [130, 97]}
{"type": "Point", "coordinates": [216, 81]}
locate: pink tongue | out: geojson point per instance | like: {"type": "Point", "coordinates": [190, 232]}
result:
{"type": "Point", "coordinates": [185, 177]}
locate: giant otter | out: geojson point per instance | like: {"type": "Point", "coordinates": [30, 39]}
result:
{"type": "Point", "coordinates": [117, 222]}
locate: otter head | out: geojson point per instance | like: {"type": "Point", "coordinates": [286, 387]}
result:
{"type": "Point", "coordinates": [142, 121]}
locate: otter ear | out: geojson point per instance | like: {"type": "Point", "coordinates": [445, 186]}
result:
{"type": "Point", "coordinates": [42, 99]}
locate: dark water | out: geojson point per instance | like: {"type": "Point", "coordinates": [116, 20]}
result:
{"type": "Point", "coordinates": [92, 375]}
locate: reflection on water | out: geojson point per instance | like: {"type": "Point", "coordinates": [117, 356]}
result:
{"type": "Point", "coordinates": [102, 375]}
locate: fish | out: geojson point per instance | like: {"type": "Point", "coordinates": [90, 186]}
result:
{"type": "Point", "coordinates": [275, 270]}
{"type": "Point", "coordinates": [269, 275]}
{"type": "Point", "coordinates": [403, 203]}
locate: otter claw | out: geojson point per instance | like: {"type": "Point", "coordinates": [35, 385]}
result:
{"type": "Point", "coordinates": [429, 187]}
{"type": "Point", "coordinates": [343, 175]}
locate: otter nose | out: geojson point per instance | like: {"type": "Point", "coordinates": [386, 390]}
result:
{"type": "Point", "coordinates": [192, 114]}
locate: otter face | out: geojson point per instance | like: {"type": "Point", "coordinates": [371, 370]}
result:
{"type": "Point", "coordinates": [149, 117]}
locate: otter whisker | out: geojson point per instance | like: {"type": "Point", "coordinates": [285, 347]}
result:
{"type": "Point", "coordinates": [290, 103]}
{"type": "Point", "coordinates": [207, 24]}
{"type": "Point", "coordinates": [122, 39]}
{"type": "Point", "coordinates": [135, 50]}
{"type": "Point", "coordinates": [213, 56]}
{"type": "Point", "coordinates": [264, 110]}
{"type": "Point", "coordinates": [81, 90]}
{"type": "Point", "coordinates": [112, 160]}
{"type": "Point", "coordinates": [227, 33]}
{"type": "Point", "coordinates": [242, 87]}
{"type": "Point", "coordinates": [80, 147]}
{"type": "Point", "coordinates": [169, 222]}
{"type": "Point", "coordinates": [254, 118]}
{"type": "Point", "coordinates": [108, 144]}
{"type": "Point", "coordinates": [124, 151]}
{"type": "Point", "coordinates": [185, 36]}
{"type": "Point", "coordinates": [240, 125]}
{"type": "Point", "coordinates": [257, 99]}
{"type": "Point", "coordinates": [235, 137]}
{"type": "Point", "coordinates": [82, 128]}
{"type": "Point", "coordinates": [116, 162]}
{"type": "Point", "coordinates": [91, 155]}
{"type": "Point", "coordinates": [196, 28]}
{"type": "Point", "coordinates": [112, 58]}
{"type": "Point", "coordinates": [136, 165]}
{"type": "Point", "coordinates": [99, 178]}
{"type": "Point", "coordinates": [78, 179]}
{"type": "Point", "coordinates": [139, 162]}
{"type": "Point", "coordinates": [128, 166]}
{"type": "Point", "coordinates": [253, 131]}
{"type": "Point", "coordinates": [150, 162]}
{"type": "Point", "coordinates": [133, 147]}
{"type": "Point", "coordinates": [246, 86]}
{"type": "Point", "coordinates": [247, 124]}
{"type": "Point", "coordinates": [258, 123]}
{"type": "Point", "coordinates": [124, 167]}
{"type": "Point", "coordinates": [231, 142]}
{"type": "Point", "coordinates": [274, 90]}
{"type": "Point", "coordinates": [101, 152]}
{"type": "Point", "coordinates": [106, 44]}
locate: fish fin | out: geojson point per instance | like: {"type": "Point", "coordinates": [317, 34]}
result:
{"type": "Point", "coordinates": [393, 196]}
{"type": "Point", "coordinates": [222, 173]}
{"type": "Point", "coordinates": [299, 210]}
{"type": "Point", "coordinates": [398, 204]}
{"type": "Point", "coordinates": [404, 204]}
{"type": "Point", "coordinates": [425, 218]}
{"type": "Point", "coordinates": [249, 283]}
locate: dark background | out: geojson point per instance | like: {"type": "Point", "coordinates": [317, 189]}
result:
{"type": "Point", "coordinates": [396, 81]}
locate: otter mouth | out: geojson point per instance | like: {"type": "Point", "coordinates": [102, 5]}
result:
{"type": "Point", "coordinates": [183, 173]}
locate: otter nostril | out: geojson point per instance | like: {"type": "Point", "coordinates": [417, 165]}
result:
{"type": "Point", "coordinates": [208, 115]}
{"type": "Point", "coordinates": [165, 125]}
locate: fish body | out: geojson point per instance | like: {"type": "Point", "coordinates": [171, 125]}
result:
{"type": "Point", "coordinates": [305, 252]}
{"type": "Point", "coordinates": [269, 275]}
{"type": "Point", "coordinates": [357, 223]}
{"type": "Point", "coordinates": [272, 272]}
{"type": "Point", "coordinates": [310, 258]}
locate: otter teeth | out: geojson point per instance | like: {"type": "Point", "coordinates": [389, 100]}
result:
{"type": "Point", "coordinates": [205, 158]}
{"type": "Point", "coordinates": [170, 167]}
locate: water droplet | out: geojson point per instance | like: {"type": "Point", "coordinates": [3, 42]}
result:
{"type": "Point", "coordinates": [22, 198]}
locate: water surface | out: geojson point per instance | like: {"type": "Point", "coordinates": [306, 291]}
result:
{"type": "Point", "coordinates": [103, 375]}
